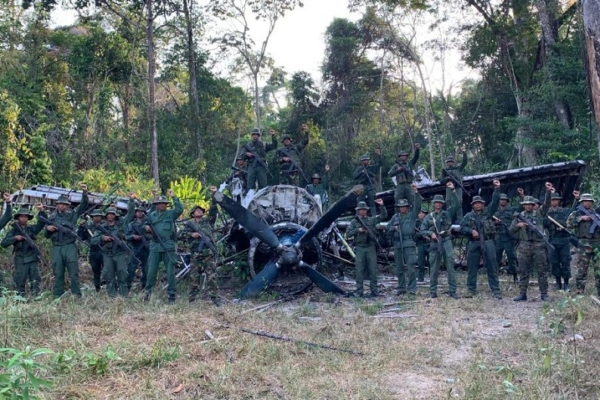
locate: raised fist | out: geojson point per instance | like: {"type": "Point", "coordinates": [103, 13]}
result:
{"type": "Point", "coordinates": [83, 187]}
{"type": "Point", "coordinates": [304, 128]}
{"type": "Point", "coordinates": [576, 194]}
{"type": "Point", "coordinates": [378, 152]}
{"type": "Point", "coordinates": [6, 197]}
{"type": "Point", "coordinates": [496, 183]}
{"type": "Point", "coordinates": [170, 192]}
{"type": "Point", "coordinates": [417, 145]}
{"type": "Point", "coordinates": [327, 168]}
{"type": "Point", "coordinates": [213, 189]}
{"type": "Point", "coordinates": [379, 201]}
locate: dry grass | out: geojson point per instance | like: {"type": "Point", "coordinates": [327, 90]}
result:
{"type": "Point", "coordinates": [471, 348]}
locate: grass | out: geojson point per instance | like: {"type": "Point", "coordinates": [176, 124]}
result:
{"type": "Point", "coordinates": [476, 348]}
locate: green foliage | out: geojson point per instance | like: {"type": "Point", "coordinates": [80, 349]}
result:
{"type": "Point", "coordinates": [119, 182]}
{"type": "Point", "coordinates": [99, 363]}
{"type": "Point", "coordinates": [191, 193]}
{"type": "Point", "coordinates": [20, 373]}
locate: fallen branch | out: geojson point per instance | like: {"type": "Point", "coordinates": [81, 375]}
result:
{"type": "Point", "coordinates": [212, 337]}
{"type": "Point", "coordinates": [595, 299]}
{"type": "Point", "coordinates": [395, 316]}
{"type": "Point", "coordinates": [263, 307]}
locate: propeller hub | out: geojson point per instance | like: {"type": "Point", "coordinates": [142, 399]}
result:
{"type": "Point", "coordinates": [290, 256]}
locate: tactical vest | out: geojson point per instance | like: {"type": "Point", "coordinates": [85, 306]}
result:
{"type": "Point", "coordinates": [505, 216]}
{"type": "Point", "coordinates": [406, 228]}
{"type": "Point", "coordinates": [537, 219]}
{"type": "Point", "coordinates": [405, 175]}
{"type": "Point", "coordinates": [560, 215]}
{"type": "Point", "coordinates": [479, 223]}
{"type": "Point", "coordinates": [582, 230]}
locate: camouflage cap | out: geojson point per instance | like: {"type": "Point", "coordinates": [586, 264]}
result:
{"type": "Point", "coordinates": [424, 211]}
{"type": "Point", "coordinates": [287, 137]}
{"type": "Point", "coordinates": [96, 213]}
{"type": "Point", "coordinates": [450, 159]}
{"type": "Point", "coordinates": [239, 157]}
{"type": "Point", "coordinates": [111, 210]}
{"type": "Point", "coordinates": [504, 196]}
{"type": "Point", "coordinates": [403, 153]}
{"type": "Point", "coordinates": [528, 200]}
{"type": "Point", "coordinates": [587, 197]}
{"type": "Point", "coordinates": [438, 198]}
{"type": "Point", "coordinates": [316, 176]}
{"type": "Point", "coordinates": [537, 201]}
{"type": "Point", "coordinates": [556, 196]}
{"type": "Point", "coordinates": [362, 206]}
{"type": "Point", "coordinates": [141, 208]}
{"type": "Point", "coordinates": [256, 131]}
{"type": "Point", "coordinates": [402, 203]}
{"type": "Point", "coordinates": [477, 199]}
{"type": "Point", "coordinates": [24, 211]}
{"type": "Point", "coordinates": [197, 207]}
{"type": "Point", "coordinates": [365, 157]}
{"type": "Point", "coordinates": [160, 200]}
{"type": "Point", "coordinates": [62, 199]}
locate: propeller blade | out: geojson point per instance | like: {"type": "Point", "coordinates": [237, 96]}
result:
{"type": "Point", "coordinates": [261, 281]}
{"type": "Point", "coordinates": [320, 280]}
{"type": "Point", "coordinates": [251, 222]}
{"type": "Point", "coordinates": [332, 214]}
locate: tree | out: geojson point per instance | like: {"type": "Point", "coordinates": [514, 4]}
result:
{"type": "Point", "coordinates": [591, 23]}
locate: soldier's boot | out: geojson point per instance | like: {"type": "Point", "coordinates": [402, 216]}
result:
{"type": "Point", "coordinates": [515, 278]}
{"type": "Point", "coordinates": [400, 292]}
{"type": "Point", "coordinates": [565, 286]}
{"type": "Point", "coordinates": [497, 295]}
{"type": "Point", "coordinates": [433, 295]}
{"type": "Point", "coordinates": [558, 284]}
{"type": "Point", "coordinates": [453, 295]}
{"type": "Point", "coordinates": [545, 297]}
{"type": "Point", "coordinates": [172, 299]}
{"type": "Point", "coordinates": [521, 297]}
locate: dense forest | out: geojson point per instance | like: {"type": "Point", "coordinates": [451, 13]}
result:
{"type": "Point", "coordinates": [130, 95]}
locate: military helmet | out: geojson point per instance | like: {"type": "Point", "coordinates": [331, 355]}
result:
{"type": "Point", "coordinates": [239, 157]}
{"type": "Point", "coordinates": [362, 206]}
{"type": "Point", "coordinates": [141, 208]}
{"type": "Point", "coordinates": [402, 203]}
{"type": "Point", "coordinates": [537, 201]}
{"type": "Point", "coordinates": [256, 131]}
{"type": "Point", "coordinates": [111, 210]}
{"type": "Point", "coordinates": [477, 199]}
{"type": "Point", "coordinates": [556, 196]}
{"type": "Point", "coordinates": [450, 159]}
{"type": "Point", "coordinates": [197, 207]}
{"type": "Point", "coordinates": [315, 176]}
{"type": "Point", "coordinates": [62, 199]}
{"type": "Point", "coordinates": [287, 137]}
{"type": "Point", "coordinates": [438, 198]}
{"type": "Point", "coordinates": [587, 197]}
{"type": "Point", "coordinates": [424, 211]}
{"type": "Point", "coordinates": [528, 200]}
{"type": "Point", "coordinates": [160, 200]}
{"type": "Point", "coordinates": [365, 157]}
{"type": "Point", "coordinates": [24, 211]}
{"type": "Point", "coordinates": [96, 213]}
{"type": "Point", "coordinates": [403, 153]}
{"type": "Point", "coordinates": [504, 196]}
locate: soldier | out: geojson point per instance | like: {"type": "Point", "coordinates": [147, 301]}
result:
{"type": "Point", "coordinates": [505, 241]}
{"type": "Point", "coordinates": [318, 187]}
{"type": "Point", "coordinates": [403, 172]}
{"type": "Point", "coordinates": [454, 173]}
{"type": "Point", "coordinates": [3, 221]}
{"type": "Point", "coordinates": [422, 246]}
{"type": "Point", "coordinates": [27, 257]}
{"type": "Point", "coordinates": [238, 179]}
{"type": "Point", "coordinates": [402, 228]}
{"type": "Point", "coordinates": [64, 253]}
{"type": "Point", "coordinates": [436, 226]}
{"type": "Point", "coordinates": [86, 232]}
{"type": "Point", "coordinates": [198, 233]}
{"type": "Point", "coordinates": [161, 224]}
{"type": "Point", "coordinates": [366, 252]}
{"type": "Point", "coordinates": [560, 256]}
{"type": "Point", "coordinates": [114, 255]}
{"type": "Point", "coordinates": [588, 234]}
{"type": "Point", "coordinates": [533, 256]}
{"type": "Point", "coordinates": [139, 241]}
{"type": "Point", "coordinates": [288, 158]}
{"type": "Point", "coordinates": [255, 149]}
{"type": "Point", "coordinates": [479, 226]}
{"type": "Point", "coordinates": [365, 175]}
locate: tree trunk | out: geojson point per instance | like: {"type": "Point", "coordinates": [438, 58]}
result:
{"type": "Point", "coordinates": [193, 95]}
{"type": "Point", "coordinates": [151, 87]}
{"type": "Point", "coordinates": [256, 98]}
{"type": "Point", "coordinates": [591, 23]}
{"type": "Point", "coordinates": [426, 107]}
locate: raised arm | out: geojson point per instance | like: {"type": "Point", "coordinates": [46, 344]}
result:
{"type": "Point", "coordinates": [83, 206]}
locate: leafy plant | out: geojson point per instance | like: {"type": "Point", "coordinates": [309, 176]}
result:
{"type": "Point", "coordinates": [190, 191]}
{"type": "Point", "coordinates": [98, 364]}
{"type": "Point", "coordinates": [19, 373]}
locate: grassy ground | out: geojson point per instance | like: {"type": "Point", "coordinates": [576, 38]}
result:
{"type": "Point", "coordinates": [477, 348]}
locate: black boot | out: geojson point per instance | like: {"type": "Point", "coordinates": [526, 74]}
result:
{"type": "Point", "coordinates": [545, 297]}
{"type": "Point", "coordinates": [515, 278]}
{"type": "Point", "coordinates": [521, 297]}
{"type": "Point", "coordinates": [558, 284]}
{"type": "Point", "coordinates": [566, 287]}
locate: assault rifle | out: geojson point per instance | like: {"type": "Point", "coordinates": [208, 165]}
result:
{"type": "Point", "coordinates": [161, 242]}
{"type": "Point", "coordinates": [535, 229]}
{"type": "Point", "coordinates": [118, 242]}
{"type": "Point", "coordinates": [439, 236]}
{"type": "Point", "coordinates": [398, 235]}
{"type": "Point", "coordinates": [293, 164]}
{"type": "Point", "coordinates": [257, 158]}
{"type": "Point", "coordinates": [30, 241]}
{"type": "Point", "coordinates": [369, 233]}
{"type": "Point", "coordinates": [63, 229]}
{"type": "Point", "coordinates": [592, 214]}
{"type": "Point", "coordinates": [366, 172]}
{"type": "Point", "coordinates": [204, 240]}
{"type": "Point", "coordinates": [456, 181]}
{"type": "Point", "coordinates": [479, 226]}
{"type": "Point", "coordinates": [572, 238]}
{"type": "Point", "coordinates": [137, 231]}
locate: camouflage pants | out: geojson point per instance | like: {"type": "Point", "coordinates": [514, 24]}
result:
{"type": "Point", "coordinates": [289, 178]}
{"type": "Point", "coordinates": [406, 259]}
{"type": "Point", "coordinates": [533, 257]}
{"type": "Point", "coordinates": [202, 271]}
{"type": "Point", "coordinates": [587, 253]}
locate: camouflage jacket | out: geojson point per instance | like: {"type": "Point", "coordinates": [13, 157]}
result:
{"type": "Point", "coordinates": [403, 171]}
{"type": "Point", "coordinates": [362, 239]}
{"type": "Point", "coordinates": [260, 148]}
{"type": "Point", "coordinates": [204, 227]}
{"type": "Point", "coordinates": [293, 152]}
{"type": "Point", "coordinates": [68, 219]}
{"type": "Point", "coordinates": [440, 222]}
{"type": "Point", "coordinates": [482, 221]}
{"type": "Point", "coordinates": [456, 171]}
{"type": "Point", "coordinates": [360, 178]}
{"type": "Point", "coordinates": [537, 218]}
{"type": "Point", "coordinates": [581, 228]}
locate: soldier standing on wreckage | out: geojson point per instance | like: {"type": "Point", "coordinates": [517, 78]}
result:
{"type": "Point", "coordinates": [588, 233]}
{"type": "Point", "coordinates": [402, 229]}
{"type": "Point", "coordinates": [454, 173]}
{"type": "Point", "coordinates": [319, 187]}
{"type": "Point", "coordinates": [436, 226]}
{"type": "Point", "coordinates": [288, 158]}
{"type": "Point", "coordinates": [26, 257]}
{"type": "Point", "coordinates": [114, 255]}
{"type": "Point", "coordinates": [198, 233]}
{"type": "Point", "coordinates": [560, 256]}
{"type": "Point", "coordinates": [533, 255]}
{"type": "Point", "coordinates": [505, 241]}
{"type": "Point", "coordinates": [403, 171]}
{"type": "Point", "coordinates": [6, 217]}
{"type": "Point", "coordinates": [365, 175]}
{"type": "Point", "coordinates": [365, 246]}
{"type": "Point", "coordinates": [64, 254]}
{"type": "Point", "coordinates": [86, 232]}
{"type": "Point", "coordinates": [257, 173]}
{"type": "Point", "coordinates": [139, 240]}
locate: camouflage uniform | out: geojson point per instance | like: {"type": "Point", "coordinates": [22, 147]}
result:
{"type": "Point", "coordinates": [3, 221]}
{"type": "Point", "coordinates": [288, 173]}
{"type": "Point", "coordinates": [257, 174]}
{"type": "Point", "coordinates": [505, 241]}
{"type": "Point", "coordinates": [26, 258]}
{"type": "Point", "coordinates": [440, 222]}
{"type": "Point", "coordinates": [95, 258]}
{"type": "Point", "coordinates": [403, 171]}
{"type": "Point", "coordinates": [533, 255]}
{"type": "Point", "coordinates": [455, 174]}
{"type": "Point", "coordinates": [366, 252]}
{"type": "Point", "coordinates": [482, 246]}
{"type": "Point", "coordinates": [422, 251]}
{"type": "Point", "coordinates": [366, 176]}
{"type": "Point", "coordinates": [402, 228]}
{"type": "Point", "coordinates": [560, 256]}
{"type": "Point", "coordinates": [140, 247]}
{"type": "Point", "coordinates": [320, 189]}
{"type": "Point", "coordinates": [589, 246]}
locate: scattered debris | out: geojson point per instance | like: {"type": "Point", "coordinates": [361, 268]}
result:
{"type": "Point", "coordinates": [309, 319]}
{"type": "Point", "coordinates": [595, 299]}
{"type": "Point", "coordinates": [574, 338]}
{"type": "Point", "coordinates": [395, 316]}
{"type": "Point", "coordinates": [178, 388]}
{"type": "Point", "coordinates": [506, 324]}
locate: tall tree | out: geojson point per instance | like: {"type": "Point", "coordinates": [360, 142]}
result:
{"type": "Point", "coordinates": [591, 22]}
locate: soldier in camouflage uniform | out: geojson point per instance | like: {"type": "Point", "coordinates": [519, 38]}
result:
{"type": "Point", "coordinates": [6, 217]}
{"type": "Point", "coordinates": [198, 233]}
{"type": "Point", "coordinates": [533, 256]}
{"type": "Point", "coordinates": [239, 174]}
{"type": "Point", "coordinates": [64, 253]}
{"type": "Point", "coordinates": [480, 229]}
{"type": "Point", "coordinates": [139, 241]}
{"type": "Point", "coordinates": [454, 173]}
{"type": "Point", "coordinates": [161, 224]}
{"type": "Point", "coordinates": [505, 241]}
{"type": "Point", "coordinates": [589, 242]}
{"type": "Point", "coordinates": [560, 256]}
{"type": "Point", "coordinates": [319, 187]}
{"type": "Point", "coordinates": [26, 257]}
{"type": "Point", "coordinates": [366, 252]}
{"type": "Point", "coordinates": [86, 232]}
{"type": "Point", "coordinates": [365, 175]}
{"type": "Point", "coordinates": [257, 173]}
{"type": "Point", "coordinates": [436, 226]}
{"type": "Point", "coordinates": [114, 256]}
{"type": "Point", "coordinates": [403, 171]}
{"type": "Point", "coordinates": [289, 174]}
{"type": "Point", "coordinates": [402, 229]}
{"type": "Point", "coordinates": [422, 246]}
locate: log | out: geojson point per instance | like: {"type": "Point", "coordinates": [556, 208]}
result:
{"type": "Point", "coordinates": [595, 299]}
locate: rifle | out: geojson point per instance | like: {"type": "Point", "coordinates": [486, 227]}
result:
{"type": "Point", "coordinates": [503, 224]}
{"type": "Point", "coordinates": [29, 241]}
{"type": "Point", "coordinates": [438, 234]}
{"type": "Point", "coordinates": [118, 242]}
{"type": "Point", "coordinates": [205, 241]}
{"type": "Point", "coordinates": [592, 214]}
{"type": "Point", "coordinates": [366, 171]}
{"type": "Point", "coordinates": [136, 230]}
{"type": "Point", "coordinates": [479, 226]}
{"type": "Point", "coordinates": [257, 158]}
{"type": "Point", "coordinates": [535, 229]}
{"type": "Point", "coordinates": [453, 178]}
{"type": "Point", "coordinates": [63, 229]}
{"type": "Point", "coordinates": [160, 241]}
{"type": "Point", "coordinates": [292, 164]}
{"type": "Point", "coordinates": [398, 234]}
{"type": "Point", "coordinates": [369, 233]}
{"type": "Point", "coordinates": [572, 238]}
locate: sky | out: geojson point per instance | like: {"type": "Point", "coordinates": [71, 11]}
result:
{"type": "Point", "coordinates": [298, 42]}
